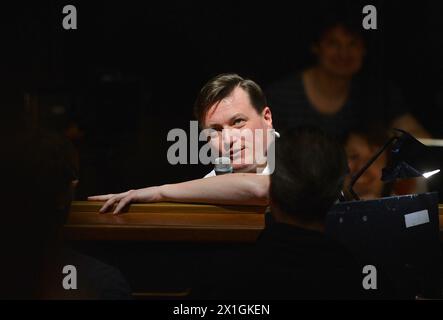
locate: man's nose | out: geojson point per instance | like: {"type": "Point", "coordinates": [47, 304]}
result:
{"type": "Point", "coordinates": [226, 142]}
{"type": "Point", "coordinates": [229, 138]}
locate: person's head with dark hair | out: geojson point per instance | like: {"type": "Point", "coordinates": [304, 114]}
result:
{"type": "Point", "coordinates": [39, 175]}
{"type": "Point", "coordinates": [221, 87]}
{"type": "Point", "coordinates": [232, 107]}
{"type": "Point", "coordinates": [338, 44]}
{"type": "Point", "coordinates": [361, 142]}
{"type": "Point", "coordinates": [309, 174]}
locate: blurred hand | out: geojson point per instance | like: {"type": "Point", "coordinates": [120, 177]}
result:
{"type": "Point", "coordinates": [120, 201]}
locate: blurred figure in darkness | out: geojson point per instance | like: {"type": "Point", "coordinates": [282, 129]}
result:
{"type": "Point", "coordinates": [361, 143]}
{"type": "Point", "coordinates": [333, 93]}
{"type": "Point", "coordinates": [39, 178]}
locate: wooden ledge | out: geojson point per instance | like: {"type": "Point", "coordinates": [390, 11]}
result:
{"type": "Point", "coordinates": [170, 222]}
{"type": "Point", "coordinates": [166, 222]}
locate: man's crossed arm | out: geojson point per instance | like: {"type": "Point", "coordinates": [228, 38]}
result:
{"type": "Point", "coordinates": [236, 188]}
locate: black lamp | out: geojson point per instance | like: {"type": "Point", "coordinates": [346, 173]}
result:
{"type": "Point", "coordinates": [409, 159]}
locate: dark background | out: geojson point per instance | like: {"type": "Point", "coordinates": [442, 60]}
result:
{"type": "Point", "coordinates": [132, 70]}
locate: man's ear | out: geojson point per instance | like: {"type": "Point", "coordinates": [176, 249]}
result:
{"type": "Point", "coordinates": [267, 116]}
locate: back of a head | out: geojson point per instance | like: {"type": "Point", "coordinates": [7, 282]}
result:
{"type": "Point", "coordinates": [309, 172]}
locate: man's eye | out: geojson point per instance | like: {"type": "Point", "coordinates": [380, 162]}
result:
{"type": "Point", "coordinates": [238, 122]}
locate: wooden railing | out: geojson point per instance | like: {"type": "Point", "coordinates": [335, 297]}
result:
{"type": "Point", "coordinates": [166, 222]}
{"type": "Point", "coordinates": [170, 222]}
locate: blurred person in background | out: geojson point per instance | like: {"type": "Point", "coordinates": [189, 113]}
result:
{"type": "Point", "coordinates": [335, 93]}
{"type": "Point", "coordinates": [361, 143]}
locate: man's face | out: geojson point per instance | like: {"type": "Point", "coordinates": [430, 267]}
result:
{"type": "Point", "coordinates": [241, 132]}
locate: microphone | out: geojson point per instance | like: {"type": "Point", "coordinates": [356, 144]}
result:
{"type": "Point", "coordinates": [222, 165]}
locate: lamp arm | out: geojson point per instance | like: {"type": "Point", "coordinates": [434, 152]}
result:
{"type": "Point", "coordinates": [366, 166]}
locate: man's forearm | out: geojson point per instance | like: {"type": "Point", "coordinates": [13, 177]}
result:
{"type": "Point", "coordinates": [236, 188]}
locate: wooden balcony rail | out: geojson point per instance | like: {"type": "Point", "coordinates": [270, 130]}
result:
{"type": "Point", "coordinates": [170, 222]}
{"type": "Point", "coordinates": [166, 222]}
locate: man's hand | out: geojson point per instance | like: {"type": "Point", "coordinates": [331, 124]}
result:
{"type": "Point", "coordinates": [228, 189]}
{"type": "Point", "coordinates": [120, 201]}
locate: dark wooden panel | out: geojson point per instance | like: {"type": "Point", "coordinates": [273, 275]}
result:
{"type": "Point", "coordinates": [166, 222]}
